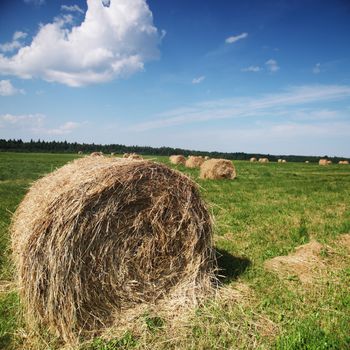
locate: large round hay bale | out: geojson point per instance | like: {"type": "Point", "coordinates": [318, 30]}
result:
{"type": "Point", "coordinates": [102, 235]}
{"type": "Point", "coordinates": [177, 159]}
{"type": "Point", "coordinates": [135, 156]}
{"type": "Point", "coordinates": [217, 169]}
{"type": "Point", "coordinates": [126, 155]}
{"type": "Point", "coordinates": [96, 154]}
{"type": "Point", "coordinates": [80, 152]}
{"type": "Point", "coordinates": [323, 162]}
{"type": "Point", "coordinates": [252, 160]}
{"type": "Point", "coordinates": [284, 161]}
{"type": "Point", "coordinates": [263, 160]}
{"type": "Point", "coordinates": [279, 160]}
{"type": "Point", "coordinates": [206, 158]}
{"type": "Point", "coordinates": [194, 162]}
{"type": "Point", "coordinates": [343, 162]}
{"type": "Point", "coordinates": [307, 162]}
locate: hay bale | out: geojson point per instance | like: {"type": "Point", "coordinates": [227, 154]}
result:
{"type": "Point", "coordinates": [343, 162]}
{"type": "Point", "coordinates": [80, 152]}
{"type": "Point", "coordinates": [179, 159]}
{"type": "Point", "coordinates": [135, 156]}
{"type": "Point", "coordinates": [323, 162]}
{"type": "Point", "coordinates": [263, 160]}
{"type": "Point", "coordinates": [253, 160]}
{"type": "Point", "coordinates": [217, 169]}
{"type": "Point", "coordinates": [194, 162]}
{"type": "Point", "coordinates": [329, 162]}
{"type": "Point", "coordinates": [101, 236]}
{"type": "Point", "coordinates": [206, 158]}
{"type": "Point", "coordinates": [96, 154]}
{"type": "Point", "coordinates": [307, 162]}
{"type": "Point", "coordinates": [284, 161]}
{"type": "Point", "coordinates": [126, 155]}
{"type": "Point", "coordinates": [112, 153]}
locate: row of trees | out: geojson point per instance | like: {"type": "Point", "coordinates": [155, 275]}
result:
{"type": "Point", "coordinates": [68, 147]}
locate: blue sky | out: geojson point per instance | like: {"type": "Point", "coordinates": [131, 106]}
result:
{"type": "Point", "coordinates": [238, 76]}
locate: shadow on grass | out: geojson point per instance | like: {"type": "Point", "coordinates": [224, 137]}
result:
{"type": "Point", "coordinates": [230, 267]}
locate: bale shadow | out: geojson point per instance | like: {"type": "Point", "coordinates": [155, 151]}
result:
{"type": "Point", "coordinates": [230, 267]}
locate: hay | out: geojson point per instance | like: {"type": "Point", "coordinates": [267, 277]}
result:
{"type": "Point", "coordinates": [100, 236]}
{"type": "Point", "coordinates": [343, 162]}
{"type": "Point", "coordinates": [80, 152]}
{"type": "Point", "coordinates": [206, 158]}
{"type": "Point", "coordinates": [126, 155]}
{"type": "Point", "coordinates": [194, 162]}
{"type": "Point", "coordinates": [279, 160]}
{"type": "Point", "coordinates": [179, 159]}
{"type": "Point", "coordinates": [323, 162]}
{"type": "Point", "coordinates": [253, 159]}
{"type": "Point", "coordinates": [96, 154]}
{"type": "Point", "coordinates": [284, 161]}
{"type": "Point", "coordinates": [112, 153]}
{"type": "Point", "coordinates": [263, 160]}
{"type": "Point", "coordinates": [307, 162]}
{"type": "Point", "coordinates": [217, 169]}
{"type": "Point", "coordinates": [329, 162]}
{"type": "Point", "coordinates": [134, 156]}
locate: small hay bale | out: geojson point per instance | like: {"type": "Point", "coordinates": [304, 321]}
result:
{"type": "Point", "coordinates": [80, 152]}
{"type": "Point", "coordinates": [284, 161]}
{"type": "Point", "coordinates": [217, 169]}
{"type": "Point", "coordinates": [343, 162]}
{"type": "Point", "coordinates": [307, 162]}
{"type": "Point", "coordinates": [279, 160]}
{"type": "Point", "coordinates": [206, 158]}
{"type": "Point", "coordinates": [263, 160]}
{"type": "Point", "coordinates": [135, 156]}
{"type": "Point", "coordinates": [253, 160]}
{"type": "Point", "coordinates": [194, 162]}
{"type": "Point", "coordinates": [178, 159]}
{"type": "Point", "coordinates": [112, 153]}
{"type": "Point", "coordinates": [329, 162]}
{"type": "Point", "coordinates": [100, 237]}
{"type": "Point", "coordinates": [96, 154]}
{"type": "Point", "coordinates": [126, 155]}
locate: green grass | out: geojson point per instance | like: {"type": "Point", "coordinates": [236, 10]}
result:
{"type": "Point", "coordinates": [267, 211]}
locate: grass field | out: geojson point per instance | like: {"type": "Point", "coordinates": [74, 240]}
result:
{"type": "Point", "coordinates": [268, 211]}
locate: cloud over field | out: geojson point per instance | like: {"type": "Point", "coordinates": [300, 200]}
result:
{"type": "Point", "coordinates": [111, 42]}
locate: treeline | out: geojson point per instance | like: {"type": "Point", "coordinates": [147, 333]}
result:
{"type": "Point", "coordinates": [68, 147]}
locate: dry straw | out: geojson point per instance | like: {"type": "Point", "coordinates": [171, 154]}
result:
{"type": "Point", "coordinates": [177, 159]}
{"type": "Point", "coordinates": [96, 154]}
{"type": "Point", "coordinates": [217, 169]}
{"type": "Point", "coordinates": [194, 161]}
{"type": "Point", "coordinates": [101, 236]}
{"type": "Point", "coordinates": [134, 156]}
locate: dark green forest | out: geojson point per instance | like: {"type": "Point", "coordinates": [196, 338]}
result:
{"type": "Point", "coordinates": [68, 147]}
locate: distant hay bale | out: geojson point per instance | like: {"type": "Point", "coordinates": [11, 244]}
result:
{"type": "Point", "coordinates": [80, 152]}
{"type": "Point", "coordinates": [284, 161]}
{"type": "Point", "coordinates": [112, 153]}
{"type": "Point", "coordinates": [126, 155]}
{"type": "Point", "coordinates": [279, 160]}
{"type": "Point", "coordinates": [343, 162]}
{"type": "Point", "coordinates": [217, 169]}
{"type": "Point", "coordinates": [101, 236]}
{"type": "Point", "coordinates": [253, 160]}
{"type": "Point", "coordinates": [329, 162]}
{"type": "Point", "coordinates": [96, 154]}
{"type": "Point", "coordinates": [194, 162]}
{"type": "Point", "coordinates": [307, 162]}
{"type": "Point", "coordinates": [206, 158]}
{"type": "Point", "coordinates": [135, 156]}
{"type": "Point", "coordinates": [177, 159]}
{"type": "Point", "coordinates": [263, 160]}
{"type": "Point", "coordinates": [323, 162]}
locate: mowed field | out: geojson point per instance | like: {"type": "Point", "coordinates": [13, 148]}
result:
{"type": "Point", "coordinates": [268, 211]}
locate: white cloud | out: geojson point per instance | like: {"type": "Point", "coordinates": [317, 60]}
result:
{"type": "Point", "coordinates": [35, 2]}
{"type": "Point", "coordinates": [15, 44]}
{"type": "Point", "coordinates": [35, 124]}
{"type": "Point", "coordinates": [198, 80]}
{"type": "Point", "coordinates": [247, 107]}
{"type": "Point", "coordinates": [233, 39]}
{"type": "Point", "coordinates": [317, 68]}
{"type": "Point", "coordinates": [72, 8]}
{"type": "Point", "coordinates": [272, 65]}
{"type": "Point", "coordinates": [111, 42]}
{"type": "Point", "coordinates": [7, 89]}
{"type": "Point", "coordinates": [252, 69]}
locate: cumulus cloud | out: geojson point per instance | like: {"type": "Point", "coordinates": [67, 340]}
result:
{"type": "Point", "coordinates": [72, 8]}
{"type": "Point", "coordinates": [233, 39]}
{"type": "Point", "coordinates": [317, 68]}
{"type": "Point", "coordinates": [272, 65]}
{"type": "Point", "coordinates": [252, 69]}
{"type": "Point", "coordinates": [35, 124]}
{"type": "Point", "coordinates": [15, 44]}
{"type": "Point", "coordinates": [111, 42]}
{"type": "Point", "coordinates": [198, 80]}
{"type": "Point", "coordinates": [7, 89]}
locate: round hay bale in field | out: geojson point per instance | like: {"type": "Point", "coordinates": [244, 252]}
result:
{"type": "Point", "coordinates": [253, 160]}
{"type": "Point", "coordinates": [126, 155]}
{"type": "Point", "coordinates": [80, 152]}
{"type": "Point", "coordinates": [135, 156]}
{"type": "Point", "coordinates": [284, 161]}
{"type": "Point", "coordinates": [323, 162]}
{"type": "Point", "coordinates": [101, 236]}
{"type": "Point", "coordinates": [307, 162]}
{"type": "Point", "coordinates": [279, 160]}
{"type": "Point", "coordinates": [96, 154]}
{"type": "Point", "coordinates": [178, 159]}
{"type": "Point", "coordinates": [206, 158]}
{"type": "Point", "coordinates": [263, 160]}
{"type": "Point", "coordinates": [194, 162]}
{"type": "Point", "coordinates": [217, 169]}
{"type": "Point", "coordinates": [112, 153]}
{"type": "Point", "coordinates": [343, 162]}
{"type": "Point", "coordinates": [329, 162]}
